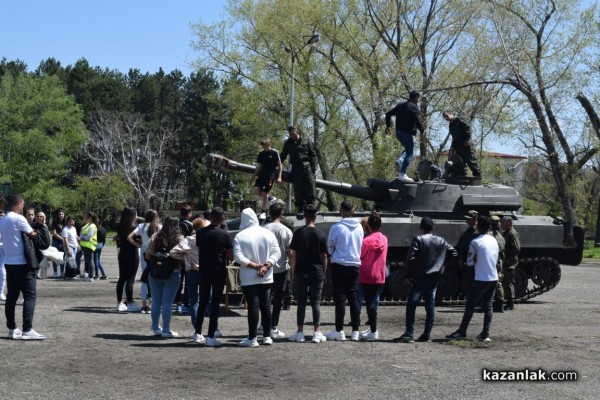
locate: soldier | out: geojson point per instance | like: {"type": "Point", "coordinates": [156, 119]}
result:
{"type": "Point", "coordinates": [511, 259]}
{"type": "Point", "coordinates": [303, 160]}
{"type": "Point", "coordinates": [499, 295]}
{"type": "Point", "coordinates": [461, 142]}
{"type": "Point", "coordinates": [465, 240]}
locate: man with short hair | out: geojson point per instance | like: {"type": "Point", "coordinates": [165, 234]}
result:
{"type": "Point", "coordinates": [465, 239]}
{"type": "Point", "coordinates": [407, 123]}
{"type": "Point", "coordinates": [281, 268]}
{"type": "Point", "coordinates": [511, 259]}
{"type": "Point", "coordinates": [460, 130]}
{"type": "Point", "coordinates": [426, 262]}
{"type": "Point", "coordinates": [268, 171]}
{"type": "Point", "coordinates": [303, 159]}
{"type": "Point", "coordinates": [19, 276]}
{"type": "Point", "coordinates": [344, 244]}
{"type": "Point", "coordinates": [215, 250]}
{"type": "Point", "coordinates": [483, 255]}
{"type": "Point", "coordinates": [308, 259]}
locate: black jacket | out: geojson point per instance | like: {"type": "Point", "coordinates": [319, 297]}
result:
{"type": "Point", "coordinates": [427, 256]}
{"type": "Point", "coordinates": [407, 118]}
{"type": "Point", "coordinates": [32, 246]}
{"type": "Point", "coordinates": [460, 132]}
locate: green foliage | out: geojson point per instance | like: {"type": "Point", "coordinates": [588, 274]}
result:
{"type": "Point", "coordinates": [589, 251]}
{"type": "Point", "coordinates": [104, 196]}
{"type": "Point", "coordinates": [41, 129]}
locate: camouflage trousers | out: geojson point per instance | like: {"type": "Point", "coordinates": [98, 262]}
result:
{"type": "Point", "coordinates": [509, 283]}
{"type": "Point", "coordinates": [468, 157]}
{"type": "Point", "coordinates": [304, 187]}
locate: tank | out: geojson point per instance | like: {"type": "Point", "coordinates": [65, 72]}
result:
{"type": "Point", "coordinates": [544, 244]}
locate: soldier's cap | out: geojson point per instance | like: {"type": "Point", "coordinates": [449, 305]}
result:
{"type": "Point", "coordinates": [472, 214]}
{"type": "Point", "coordinates": [495, 218]}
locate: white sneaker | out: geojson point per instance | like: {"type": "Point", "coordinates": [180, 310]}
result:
{"type": "Point", "coordinates": [133, 307]}
{"type": "Point", "coordinates": [355, 336]}
{"type": "Point", "coordinates": [365, 331]}
{"type": "Point", "coordinates": [157, 332]}
{"type": "Point", "coordinates": [15, 333]}
{"type": "Point", "coordinates": [198, 338]}
{"type": "Point", "coordinates": [370, 335]}
{"type": "Point", "coordinates": [218, 334]}
{"type": "Point", "coordinates": [318, 337]}
{"type": "Point", "coordinates": [32, 335]}
{"type": "Point", "coordinates": [335, 335]}
{"type": "Point", "coordinates": [297, 337]}
{"type": "Point", "coordinates": [398, 163]}
{"type": "Point", "coordinates": [262, 215]}
{"type": "Point", "coordinates": [402, 177]}
{"type": "Point", "coordinates": [212, 342]}
{"type": "Point", "coordinates": [88, 279]}
{"type": "Point", "coordinates": [170, 334]}
{"type": "Point", "coordinates": [277, 334]}
{"type": "Point", "coordinates": [267, 341]}
{"type": "Point", "coordinates": [122, 307]}
{"type": "Point", "coordinates": [2, 296]}
{"type": "Point", "coordinates": [248, 343]}
{"type": "Point", "coordinates": [55, 275]}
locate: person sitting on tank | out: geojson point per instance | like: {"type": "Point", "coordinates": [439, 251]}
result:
{"type": "Point", "coordinates": [460, 130]}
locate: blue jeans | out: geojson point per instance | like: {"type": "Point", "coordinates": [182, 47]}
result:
{"type": "Point", "coordinates": [344, 280]}
{"type": "Point", "coordinates": [483, 291]}
{"type": "Point", "coordinates": [371, 293]}
{"type": "Point", "coordinates": [422, 288]}
{"type": "Point", "coordinates": [407, 140]}
{"type": "Point", "coordinates": [97, 263]}
{"type": "Point", "coordinates": [163, 294]}
{"type": "Point", "coordinates": [20, 279]}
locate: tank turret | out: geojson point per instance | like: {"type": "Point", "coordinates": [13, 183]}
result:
{"type": "Point", "coordinates": [402, 205]}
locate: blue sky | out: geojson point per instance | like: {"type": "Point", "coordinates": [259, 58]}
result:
{"type": "Point", "coordinates": [123, 34]}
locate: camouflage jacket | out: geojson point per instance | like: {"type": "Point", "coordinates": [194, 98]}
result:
{"type": "Point", "coordinates": [512, 249]}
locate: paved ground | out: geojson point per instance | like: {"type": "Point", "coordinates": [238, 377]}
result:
{"type": "Point", "coordinates": [94, 352]}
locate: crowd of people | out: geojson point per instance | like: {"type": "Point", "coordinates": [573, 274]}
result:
{"type": "Point", "coordinates": [197, 253]}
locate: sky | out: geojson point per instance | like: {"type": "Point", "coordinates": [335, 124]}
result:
{"type": "Point", "coordinates": [114, 34]}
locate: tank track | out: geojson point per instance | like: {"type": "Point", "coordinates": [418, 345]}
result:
{"type": "Point", "coordinates": [533, 277]}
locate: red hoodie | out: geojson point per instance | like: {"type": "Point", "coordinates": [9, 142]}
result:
{"type": "Point", "coordinates": [373, 259]}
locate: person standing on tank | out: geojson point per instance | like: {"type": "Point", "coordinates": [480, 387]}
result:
{"type": "Point", "coordinates": [460, 130]}
{"type": "Point", "coordinates": [268, 171]}
{"type": "Point", "coordinates": [407, 124]}
{"type": "Point", "coordinates": [511, 259]}
{"type": "Point", "coordinates": [303, 159]}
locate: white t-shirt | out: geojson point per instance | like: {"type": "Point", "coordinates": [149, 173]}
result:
{"type": "Point", "coordinates": [142, 230]}
{"type": "Point", "coordinates": [483, 254]}
{"type": "Point", "coordinates": [70, 233]}
{"type": "Point", "coordinates": [284, 238]}
{"type": "Point", "coordinates": [11, 226]}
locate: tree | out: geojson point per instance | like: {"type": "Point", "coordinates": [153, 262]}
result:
{"type": "Point", "coordinates": [41, 129]}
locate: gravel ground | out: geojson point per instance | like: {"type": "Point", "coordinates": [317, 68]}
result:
{"type": "Point", "coordinates": [93, 352]}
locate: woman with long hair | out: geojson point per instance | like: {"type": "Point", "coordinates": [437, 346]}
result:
{"type": "Point", "coordinates": [58, 223]}
{"type": "Point", "coordinates": [164, 290]}
{"type": "Point", "coordinates": [88, 241]}
{"type": "Point", "coordinates": [129, 260]}
{"type": "Point", "coordinates": [145, 231]}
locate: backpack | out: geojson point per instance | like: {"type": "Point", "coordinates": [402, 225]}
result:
{"type": "Point", "coordinates": [161, 264]}
{"type": "Point", "coordinates": [186, 227]}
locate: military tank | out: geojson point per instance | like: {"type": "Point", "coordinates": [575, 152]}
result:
{"type": "Point", "coordinates": [544, 244]}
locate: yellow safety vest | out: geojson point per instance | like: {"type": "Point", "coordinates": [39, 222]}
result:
{"type": "Point", "coordinates": [93, 242]}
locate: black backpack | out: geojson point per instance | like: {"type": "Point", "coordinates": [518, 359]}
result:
{"type": "Point", "coordinates": [161, 264]}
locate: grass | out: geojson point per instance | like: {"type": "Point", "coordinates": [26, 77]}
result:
{"type": "Point", "coordinates": [591, 252]}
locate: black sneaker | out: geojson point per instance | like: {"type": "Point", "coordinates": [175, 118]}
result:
{"type": "Point", "coordinates": [484, 337]}
{"type": "Point", "coordinates": [457, 336]}
{"type": "Point", "coordinates": [509, 307]}
{"type": "Point", "coordinates": [103, 277]}
{"type": "Point", "coordinates": [405, 338]}
{"type": "Point", "coordinates": [424, 339]}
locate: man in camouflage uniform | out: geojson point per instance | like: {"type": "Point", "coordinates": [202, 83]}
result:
{"type": "Point", "coordinates": [303, 160]}
{"type": "Point", "coordinates": [461, 142]}
{"type": "Point", "coordinates": [499, 295]}
{"type": "Point", "coordinates": [511, 259]}
{"type": "Point", "coordinates": [465, 240]}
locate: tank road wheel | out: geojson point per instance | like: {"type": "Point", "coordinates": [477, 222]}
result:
{"type": "Point", "coordinates": [554, 272]}
{"type": "Point", "coordinates": [540, 273]}
{"type": "Point", "coordinates": [520, 282]}
{"type": "Point", "coordinates": [447, 286]}
{"type": "Point", "coordinates": [397, 285]}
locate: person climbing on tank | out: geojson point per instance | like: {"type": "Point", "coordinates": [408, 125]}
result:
{"type": "Point", "coordinates": [460, 131]}
{"type": "Point", "coordinates": [268, 171]}
{"type": "Point", "coordinates": [407, 123]}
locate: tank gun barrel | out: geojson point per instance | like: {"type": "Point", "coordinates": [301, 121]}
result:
{"type": "Point", "coordinates": [217, 161]}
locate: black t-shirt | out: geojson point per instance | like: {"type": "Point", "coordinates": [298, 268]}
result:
{"type": "Point", "coordinates": [101, 237]}
{"type": "Point", "coordinates": [185, 227]}
{"type": "Point", "coordinates": [309, 243]}
{"type": "Point", "coordinates": [213, 243]}
{"type": "Point", "coordinates": [269, 162]}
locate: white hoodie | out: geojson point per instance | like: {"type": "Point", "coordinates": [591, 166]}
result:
{"type": "Point", "coordinates": [345, 242]}
{"type": "Point", "coordinates": [254, 243]}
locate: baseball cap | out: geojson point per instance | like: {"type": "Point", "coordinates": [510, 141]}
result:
{"type": "Point", "coordinates": [471, 214]}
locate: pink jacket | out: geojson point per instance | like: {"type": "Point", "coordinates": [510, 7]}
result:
{"type": "Point", "coordinates": [373, 259]}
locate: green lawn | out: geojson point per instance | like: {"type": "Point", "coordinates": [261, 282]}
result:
{"type": "Point", "coordinates": [589, 251]}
